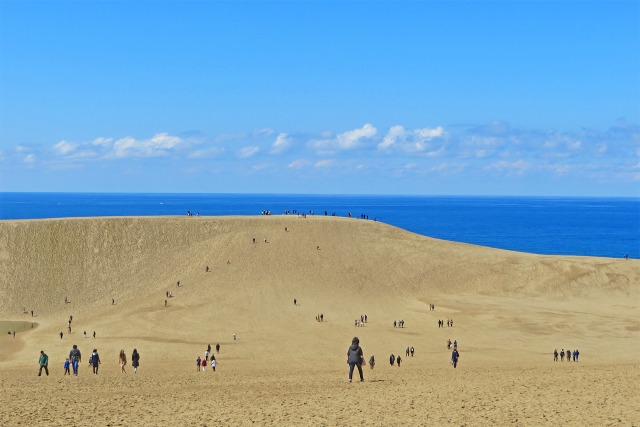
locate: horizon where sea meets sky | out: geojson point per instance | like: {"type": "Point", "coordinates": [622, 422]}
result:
{"type": "Point", "coordinates": [534, 98]}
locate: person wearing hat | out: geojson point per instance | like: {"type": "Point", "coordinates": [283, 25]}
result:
{"type": "Point", "coordinates": [44, 363]}
{"type": "Point", "coordinates": [354, 358]}
{"type": "Point", "coordinates": [75, 357]}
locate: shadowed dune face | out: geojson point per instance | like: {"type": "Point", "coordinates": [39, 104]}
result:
{"type": "Point", "coordinates": [510, 310]}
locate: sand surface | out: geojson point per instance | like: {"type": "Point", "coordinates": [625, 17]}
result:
{"type": "Point", "coordinates": [510, 310]}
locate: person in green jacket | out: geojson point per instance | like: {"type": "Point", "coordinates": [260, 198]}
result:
{"type": "Point", "coordinates": [44, 363]}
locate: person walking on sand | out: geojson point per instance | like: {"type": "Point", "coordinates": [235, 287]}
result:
{"type": "Point", "coordinates": [214, 362]}
{"type": "Point", "coordinates": [454, 357]}
{"type": "Point", "coordinates": [555, 355]}
{"type": "Point", "coordinates": [372, 362]}
{"type": "Point", "coordinates": [75, 358]}
{"type": "Point", "coordinates": [66, 367]}
{"type": "Point", "coordinates": [60, 334]}
{"type": "Point", "coordinates": [562, 355]}
{"type": "Point", "coordinates": [354, 358]}
{"type": "Point", "coordinates": [95, 361]}
{"type": "Point", "coordinates": [392, 359]}
{"type": "Point", "coordinates": [204, 365]}
{"type": "Point", "coordinates": [407, 352]}
{"type": "Point", "coordinates": [135, 360]}
{"type": "Point", "coordinates": [122, 359]}
{"type": "Point", "coordinates": [398, 360]}
{"type": "Point", "coordinates": [44, 363]}
{"type": "Point", "coordinates": [198, 363]}
{"type": "Point", "coordinates": [234, 336]}
{"type": "Point", "coordinates": [412, 350]}
{"type": "Point", "coordinates": [218, 348]}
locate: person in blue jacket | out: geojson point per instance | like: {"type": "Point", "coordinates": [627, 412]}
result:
{"type": "Point", "coordinates": [454, 357]}
{"type": "Point", "coordinates": [354, 358]}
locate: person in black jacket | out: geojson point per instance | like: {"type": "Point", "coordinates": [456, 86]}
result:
{"type": "Point", "coordinates": [354, 358]}
{"type": "Point", "coordinates": [94, 360]}
{"type": "Point", "coordinates": [135, 360]}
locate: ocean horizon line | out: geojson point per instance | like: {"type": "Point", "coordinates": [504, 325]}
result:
{"type": "Point", "coordinates": [497, 196]}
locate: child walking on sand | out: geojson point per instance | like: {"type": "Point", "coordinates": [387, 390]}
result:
{"type": "Point", "coordinates": [66, 367]}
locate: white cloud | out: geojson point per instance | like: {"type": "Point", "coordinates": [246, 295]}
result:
{"type": "Point", "coordinates": [260, 166]}
{"type": "Point", "coordinates": [352, 139]}
{"type": "Point", "coordinates": [574, 145]}
{"type": "Point", "coordinates": [395, 133]}
{"type": "Point", "coordinates": [327, 163]}
{"type": "Point", "coordinates": [345, 141]}
{"type": "Point", "coordinates": [409, 141]}
{"type": "Point", "coordinates": [263, 132]}
{"type": "Point", "coordinates": [282, 142]}
{"type": "Point", "coordinates": [249, 151]}
{"type": "Point", "coordinates": [64, 147]}
{"type": "Point", "coordinates": [206, 153]}
{"type": "Point", "coordinates": [299, 164]}
{"type": "Point", "coordinates": [30, 158]}
{"type": "Point", "coordinates": [517, 167]}
{"type": "Point", "coordinates": [159, 145]}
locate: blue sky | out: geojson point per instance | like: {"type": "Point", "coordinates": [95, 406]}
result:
{"type": "Point", "coordinates": [456, 98]}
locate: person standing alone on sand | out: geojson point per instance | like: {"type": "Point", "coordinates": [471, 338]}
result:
{"type": "Point", "coordinates": [555, 355]}
{"type": "Point", "coordinates": [44, 363]}
{"type": "Point", "coordinates": [123, 361]}
{"type": "Point", "coordinates": [135, 360]}
{"type": "Point", "coordinates": [354, 358]}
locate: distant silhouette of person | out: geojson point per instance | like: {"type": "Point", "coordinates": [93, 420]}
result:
{"type": "Point", "coordinates": [60, 334]}
{"type": "Point", "coordinates": [398, 360]}
{"type": "Point", "coordinates": [295, 301]}
{"type": "Point", "coordinates": [198, 363]}
{"type": "Point", "coordinates": [412, 350]}
{"type": "Point", "coordinates": [392, 359]}
{"type": "Point", "coordinates": [555, 355]}
{"type": "Point", "coordinates": [372, 362]}
{"type": "Point", "coordinates": [217, 348]}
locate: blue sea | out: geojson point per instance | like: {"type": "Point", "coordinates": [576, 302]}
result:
{"type": "Point", "coordinates": [605, 227]}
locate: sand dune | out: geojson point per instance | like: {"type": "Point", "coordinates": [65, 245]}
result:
{"type": "Point", "coordinates": [510, 310]}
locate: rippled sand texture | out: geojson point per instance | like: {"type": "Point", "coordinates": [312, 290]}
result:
{"type": "Point", "coordinates": [510, 310]}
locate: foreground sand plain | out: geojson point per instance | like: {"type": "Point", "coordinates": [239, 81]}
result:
{"type": "Point", "coordinates": [510, 311]}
